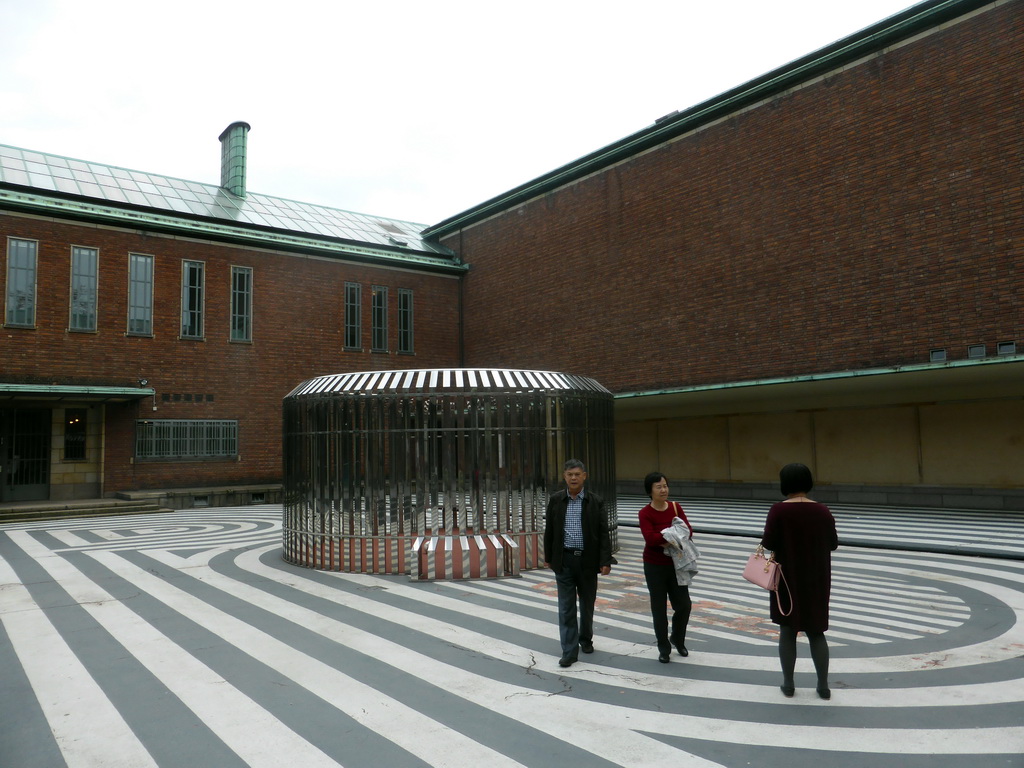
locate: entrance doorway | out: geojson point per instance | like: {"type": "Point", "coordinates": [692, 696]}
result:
{"type": "Point", "coordinates": [25, 454]}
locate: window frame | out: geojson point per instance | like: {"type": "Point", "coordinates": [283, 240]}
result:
{"type": "Point", "coordinates": [186, 440]}
{"type": "Point", "coordinates": [406, 322]}
{"type": "Point", "coordinates": [76, 434]}
{"type": "Point", "coordinates": [13, 296]}
{"type": "Point", "coordinates": [193, 299]}
{"type": "Point", "coordinates": [379, 318]}
{"type": "Point", "coordinates": [87, 281]}
{"type": "Point", "coordinates": [241, 318]}
{"type": "Point", "coordinates": [141, 311]}
{"type": "Point", "coordinates": [353, 319]}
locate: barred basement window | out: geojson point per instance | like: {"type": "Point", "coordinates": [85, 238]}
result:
{"type": "Point", "coordinates": [169, 439]}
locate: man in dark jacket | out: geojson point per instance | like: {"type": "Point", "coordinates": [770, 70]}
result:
{"type": "Point", "coordinates": [577, 546]}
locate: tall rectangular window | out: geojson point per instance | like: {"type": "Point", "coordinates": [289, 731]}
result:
{"type": "Point", "coordinates": [380, 319]}
{"type": "Point", "coordinates": [84, 276]}
{"type": "Point", "coordinates": [241, 303]}
{"type": "Point", "coordinates": [405, 327]}
{"type": "Point", "coordinates": [140, 294]}
{"type": "Point", "coordinates": [192, 273]}
{"type": "Point", "coordinates": [353, 316]}
{"type": "Point", "coordinates": [74, 434]}
{"type": "Point", "coordinates": [21, 281]}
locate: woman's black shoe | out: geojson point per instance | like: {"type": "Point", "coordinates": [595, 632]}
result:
{"type": "Point", "coordinates": [788, 690]}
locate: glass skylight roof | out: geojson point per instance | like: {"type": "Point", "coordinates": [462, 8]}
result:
{"type": "Point", "coordinates": [120, 186]}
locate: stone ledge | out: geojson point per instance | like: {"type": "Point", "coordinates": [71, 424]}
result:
{"type": "Point", "coordinates": [239, 495]}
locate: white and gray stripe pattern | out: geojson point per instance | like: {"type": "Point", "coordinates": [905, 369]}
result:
{"type": "Point", "coordinates": [952, 531]}
{"type": "Point", "coordinates": [183, 639]}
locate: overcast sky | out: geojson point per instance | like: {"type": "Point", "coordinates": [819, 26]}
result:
{"type": "Point", "coordinates": [413, 110]}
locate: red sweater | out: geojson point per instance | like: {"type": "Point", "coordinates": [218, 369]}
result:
{"type": "Point", "coordinates": [652, 523]}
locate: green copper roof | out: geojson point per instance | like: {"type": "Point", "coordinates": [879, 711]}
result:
{"type": "Point", "coordinates": [35, 180]}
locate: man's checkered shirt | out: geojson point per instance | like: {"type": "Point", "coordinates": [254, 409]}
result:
{"type": "Point", "coordinates": [574, 523]}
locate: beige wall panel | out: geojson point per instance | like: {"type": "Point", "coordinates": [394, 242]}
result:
{"type": "Point", "coordinates": [636, 448]}
{"type": "Point", "coordinates": [694, 449]}
{"type": "Point", "coordinates": [976, 444]}
{"type": "Point", "coordinates": [761, 445]}
{"type": "Point", "coordinates": [873, 446]}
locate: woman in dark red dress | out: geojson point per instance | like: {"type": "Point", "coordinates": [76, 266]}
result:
{"type": "Point", "coordinates": [802, 534]}
{"type": "Point", "coordinates": [659, 569]}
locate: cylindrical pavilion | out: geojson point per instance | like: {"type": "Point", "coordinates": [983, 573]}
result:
{"type": "Point", "coordinates": [437, 473]}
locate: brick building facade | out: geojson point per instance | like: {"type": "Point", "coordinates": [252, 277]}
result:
{"type": "Point", "coordinates": [107, 390]}
{"type": "Point", "coordinates": [822, 265]}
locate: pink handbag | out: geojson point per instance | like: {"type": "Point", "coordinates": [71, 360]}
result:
{"type": "Point", "coordinates": [766, 573]}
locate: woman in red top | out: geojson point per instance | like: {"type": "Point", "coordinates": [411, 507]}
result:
{"type": "Point", "coordinates": [659, 570]}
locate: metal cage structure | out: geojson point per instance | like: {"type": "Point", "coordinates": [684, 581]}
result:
{"type": "Point", "coordinates": [437, 473]}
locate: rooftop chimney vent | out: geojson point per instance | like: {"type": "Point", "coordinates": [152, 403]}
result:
{"type": "Point", "coordinates": [232, 158]}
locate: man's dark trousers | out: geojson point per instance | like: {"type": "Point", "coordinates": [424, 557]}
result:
{"type": "Point", "coordinates": [574, 584]}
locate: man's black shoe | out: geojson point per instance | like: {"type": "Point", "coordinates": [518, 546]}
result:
{"type": "Point", "coordinates": [664, 657]}
{"type": "Point", "coordinates": [587, 646]}
{"type": "Point", "coordinates": [567, 661]}
{"type": "Point", "coordinates": [682, 649]}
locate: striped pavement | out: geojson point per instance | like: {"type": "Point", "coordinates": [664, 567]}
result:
{"type": "Point", "coordinates": [183, 639]}
{"type": "Point", "coordinates": [950, 531]}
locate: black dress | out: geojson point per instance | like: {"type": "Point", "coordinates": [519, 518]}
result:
{"type": "Point", "coordinates": [802, 534]}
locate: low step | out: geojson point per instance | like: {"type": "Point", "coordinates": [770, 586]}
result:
{"type": "Point", "coordinates": [21, 514]}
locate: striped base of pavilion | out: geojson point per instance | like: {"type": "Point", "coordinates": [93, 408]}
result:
{"type": "Point", "coordinates": [445, 555]}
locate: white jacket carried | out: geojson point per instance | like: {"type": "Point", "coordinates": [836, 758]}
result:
{"type": "Point", "coordinates": [682, 550]}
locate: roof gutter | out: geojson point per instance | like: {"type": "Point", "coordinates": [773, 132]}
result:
{"type": "Point", "coordinates": [814, 377]}
{"type": "Point", "coordinates": [73, 208]}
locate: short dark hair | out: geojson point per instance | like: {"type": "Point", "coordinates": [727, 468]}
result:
{"type": "Point", "coordinates": [574, 464]}
{"type": "Point", "coordinates": [651, 479]}
{"type": "Point", "coordinates": [795, 478]}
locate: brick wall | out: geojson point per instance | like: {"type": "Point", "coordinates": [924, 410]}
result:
{"type": "Point", "coordinates": [298, 333]}
{"type": "Point", "coordinates": [857, 222]}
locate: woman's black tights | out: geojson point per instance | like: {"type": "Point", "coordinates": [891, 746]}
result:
{"type": "Point", "coordinates": [787, 655]}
